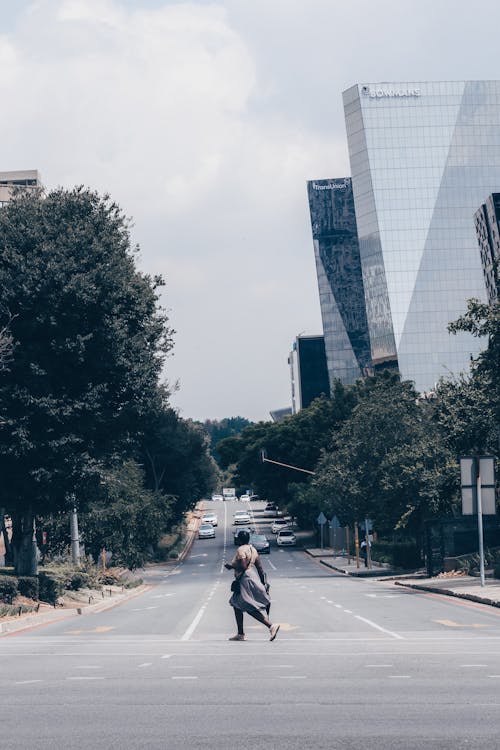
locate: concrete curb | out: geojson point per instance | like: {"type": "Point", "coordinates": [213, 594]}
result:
{"type": "Point", "coordinates": [449, 592]}
{"type": "Point", "coordinates": [30, 620]}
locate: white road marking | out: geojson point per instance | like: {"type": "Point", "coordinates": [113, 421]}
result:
{"type": "Point", "coordinates": [348, 611]}
{"type": "Point", "coordinates": [85, 678]}
{"type": "Point", "coordinates": [90, 666]}
{"type": "Point", "coordinates": [184, 677]}
{"type": "Point", "coordinates": [166, 656]}
{"type": "Point", "coordinates": [275, 568]}
{"type": "Point", "coordinates": [379, 627]}
{"type": "Point", "coordinates": [473, 665]}
{"type": "Point", "coordinates": [399, 677]}
{"type": "Point", "coordinates": [27, 682]}
{"type": "Point", "coordinates": [146, 664]}
{"type": "Point", "coordinates": [379, 665]}
{"type": "Point", "coordinates": [189, 632]}
{"type": "Point", "coordinates": [293, 677]}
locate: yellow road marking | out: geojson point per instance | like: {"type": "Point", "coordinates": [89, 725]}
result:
{"type": "Point", "coordinates": [452, 624]}
{"type": "Point", "coordinates": [98, 629]}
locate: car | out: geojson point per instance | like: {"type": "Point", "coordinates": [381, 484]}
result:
{"type": "Point", "coordinates": [209, 517]}
{"type": "Point", "coordinates": [241, 516]}
{"type": "Point", "coordinates": [278, 524]}
{"type": "Point", "coordinates": [272, 511]}
{"type": "Point", "coordinates": [286, 537]}
{"type": "Point", "coordinates": [237, 530]}
{"type": "Point", "coordinates": [217, 498]}
{"type": "Point", "coordinates": [245, 498]}
{"type": "Point", "coordinates": [254, 498]}
{"type": "Point", "coordinates": [261, 543]}
{"type": "Point", "coordinates": [206, 531]}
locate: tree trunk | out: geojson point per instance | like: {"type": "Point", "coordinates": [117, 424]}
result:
{"type": "Point", "coordinates": [8, 560]}
{"type": "Point", "coordinates": [24, 544]}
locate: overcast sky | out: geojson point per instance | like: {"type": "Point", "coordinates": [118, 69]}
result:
{"type": "Point", "coordinates": [204, 121]}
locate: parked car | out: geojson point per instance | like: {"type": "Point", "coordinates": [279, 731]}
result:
{"type": "Point", "coordinates": [237, 530]}
{"type": "Point", "coordinates": [261, 543]}
{"type": "Point", "coordinates": [286, 537]}
{"type": "Point", "coordinates": [245, 498]}
{"type": "Point", "coordinates": [278, 524]}
{"type": "Point", "coordinates": [206, 531]}
{"type": "Point", "coordinates": [254, 498]}
{"type": "Point", "coordinates": [241, 517]}
{"type": "Point", "coordinates": [209, 517]}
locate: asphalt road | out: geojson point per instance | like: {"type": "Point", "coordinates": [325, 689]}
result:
{"type": "Point", "coordinates": [356, 664]}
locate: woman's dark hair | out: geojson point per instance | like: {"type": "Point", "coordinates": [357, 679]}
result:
{"type": "Point", "coordinates": [243, 537]}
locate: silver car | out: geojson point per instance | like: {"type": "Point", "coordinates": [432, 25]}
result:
{"type": "Point", "coordinates": [209, 517]}
{"type": "Point", "coordinates": [206, 531]}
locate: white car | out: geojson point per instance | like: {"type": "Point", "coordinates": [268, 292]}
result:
{"type": "Point", "coordinates": [206, 531]}
{"type": "Point", "coordinates": [241, 517]}
{"type": "Point", "coordinates": [209, 517]}
{"type": "Point", "coordinates": [286, 537]}
{"type": "Point", "coordinates": [217, 498]}
{"type": "Point", "coordinates": [245, 498]}
{"type": "Point", "coordinates": [279, 524]}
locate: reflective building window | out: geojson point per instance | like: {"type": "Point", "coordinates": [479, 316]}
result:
{"type": "Point", "coordinates": [424, 156]}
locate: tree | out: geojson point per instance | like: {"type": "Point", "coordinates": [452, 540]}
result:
{"type": "Point", "coordinates": [389, 461]}
{"type": "Point", "coordinates": [89, 344]}
{"type": "Point", "coordinates": [176, 458]}
{"type": "Point", "coordinates": [220, 430]}
{"type": "Point", "coordinates": [297, 440]}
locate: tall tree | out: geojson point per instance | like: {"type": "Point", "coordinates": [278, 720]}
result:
{"type": "Point", "coordinates": [89, 344]}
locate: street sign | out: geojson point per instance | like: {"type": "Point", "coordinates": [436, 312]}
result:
{"type": "Point", "coordinates": [321, 519]}
{"type": "Point", "coordinates": [335, 523]}
{"type": "Point", "coordinates": [478, 471]}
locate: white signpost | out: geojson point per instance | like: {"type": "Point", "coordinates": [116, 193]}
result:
{"type": "Point", "coordinates": [321, 519]}
{"type": "Point", "coordinates": [477, 475]}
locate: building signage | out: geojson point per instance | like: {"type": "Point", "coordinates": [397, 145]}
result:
{"type": "Point", "coordinates": [331, 185]}
{"type": "Point", "coordinates": [390, 93]}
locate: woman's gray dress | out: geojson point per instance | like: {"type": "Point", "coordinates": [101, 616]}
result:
{"type": "Point", "coordinates": [252, 594]}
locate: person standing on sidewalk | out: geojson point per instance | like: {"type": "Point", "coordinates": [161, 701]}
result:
{"type": "Point", "coordinates": [249, 588]}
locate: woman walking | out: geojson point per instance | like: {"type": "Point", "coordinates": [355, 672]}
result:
{"type": "Point", "coordinates": [249, 590]}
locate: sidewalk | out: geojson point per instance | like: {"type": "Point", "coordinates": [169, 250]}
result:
{"type": "Point", "coordinates": [463, 587]}
{"type": "Point", "coordinates": [53, 614]}
{"type": "Point", "coordinates": [340, 564]}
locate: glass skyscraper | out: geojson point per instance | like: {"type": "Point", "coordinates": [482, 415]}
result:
{"type": "Point", "coordinates": [340, 282]}
{"type": "Point", "coordinates": [423, 157]}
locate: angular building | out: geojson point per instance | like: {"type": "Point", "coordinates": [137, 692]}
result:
{"type": "Point", "coordinates": [340, 282]}
{"type": "Point", "coordinates": [423, 157]}
{"type": "Point", "coordinates": [487, 220]}
{"type": "Point", "coordinates": [308, 371]}
{"type": "Point", "coordinates": [26, 179]}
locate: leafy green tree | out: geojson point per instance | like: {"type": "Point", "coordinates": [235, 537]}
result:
{"type": "Point", "coordinates": [218, 430]}
{"type": "Point", "coordinates": [297, 440]}
{"type": "Point", "coordinates": [126, 520]}
{"type": "Point", "coordinates": [89, 343]}
{"type": "Point", "coordinates": [176, 458]}
{"type": "Point", "coordinates": [389, 461]}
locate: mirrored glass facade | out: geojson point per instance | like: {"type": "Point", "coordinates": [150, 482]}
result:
{"type": "Point", "coordinates": [487, 220]}
{"type": "Point", "coordinates": [423, 157]}
{"type": "Point", "coordinates": [340, 280]}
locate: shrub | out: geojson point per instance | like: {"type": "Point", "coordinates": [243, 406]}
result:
{"type": "Point", "coordinates": [8, 588]}
{"type": "Point", "coordinates": [405, 555]}
{"type": "Point", "coordinates": [28, 586]}
{"type": "Point", "coordinates": [51, 586]}
{"type": "Point", "coordinates": [496, 570]}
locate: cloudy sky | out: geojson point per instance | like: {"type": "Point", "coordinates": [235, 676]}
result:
{"type": "Point", "coordinates": [204, 120]}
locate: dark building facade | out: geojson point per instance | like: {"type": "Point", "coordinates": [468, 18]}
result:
{"type": "Point", "coordinates": [487, 221]}
{"type": "Point", "coordinates": [340, 280]}
{"type": "Point", "coordinates": [308, 370]}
